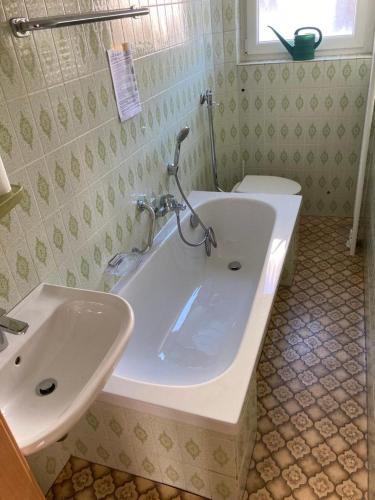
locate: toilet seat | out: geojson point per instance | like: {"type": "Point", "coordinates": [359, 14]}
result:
{"type": "Point", "coordinates": [267, 184]}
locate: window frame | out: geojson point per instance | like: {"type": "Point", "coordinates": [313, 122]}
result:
{"type": "Point", "coordinates": [360, 43]}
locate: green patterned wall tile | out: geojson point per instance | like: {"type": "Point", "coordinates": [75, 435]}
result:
{"type": "Point", "coordinates": [58, 238]}
{"type": "Point", "coordinates": [315, 103]}
{"type": "Point", "coordinates": [223, 487]}
{"type": "Point", "coordinates": [60, 124]}
{"type": "Point", "coordinates": [91, 101]}
{"type": "Point", "coordinates": [362, 71]}
{"type": "Point", "coordinates": [10, 228]}
{"type": "Point", "coordinates": [30, 65]}
{"type": "Point", "coordinates": [84, 264]}
{"type": "Point", "coordinates": [11, 80]}
{"type": "Point", "coordinates": [106, 100]}
{"type": "Point", "coordinates": [45, 121]}
{"type": "Point", "coordinates": [94, 46]}
{"type": "Point", "coordinates": [172, 472]}
{"type": "Point", "coordinates": [65, 55]}
{"type": "Point", "coordinates": [41, 252]}
{"type": "Point", "coordinates": [216, 16]}
{"type": "Point", "coordinates": [79, 46]}
{"type": "Point", "coordinates": [9, 295]}
{"type": "Point", "coordinates": [218, 48]}
{"type": "Point", "coordinates": [197, 481]}
{"type": "Point", "coordinates": [22, 267]}
{"type": "Point", "coordinates": [230, 51]}
{"type": "Point", "coordinates": [61, 110]}
{"type": "Point", "coordinates": [77, 106]}
{"type": "Point", "coordinates": [48, 58]}
{"type": "Point", "coordinates": [75, 225]}
{"type": "Point", "coordinates": [42, 186]}
{"type": "Point", "coordinates": [229, 15]}
{"type": "Point", "coordinates": [9, 148]}
{"type": "Point", "coordinates": [26, 130]}
{"type": "Point", "coordinates": [75, 166]}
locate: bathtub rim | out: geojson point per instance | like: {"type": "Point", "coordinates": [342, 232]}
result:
{"type": "Point", "coordinates": [200, 404]}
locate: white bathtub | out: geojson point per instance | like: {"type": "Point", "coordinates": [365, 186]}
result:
{"type": "Point", "coordinates": [199, 327]}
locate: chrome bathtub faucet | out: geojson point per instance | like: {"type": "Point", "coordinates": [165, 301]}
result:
{"type": "Point", "coordinates": [159, 207]}
{"type": "Point", "coordinates": [156, 208]}
{"type": "Point", "coordinates": [167, 204]}
{"type": "Point", "coordinates": [142, 205]}
{"type": "Point", "coordinates": [10, 325]}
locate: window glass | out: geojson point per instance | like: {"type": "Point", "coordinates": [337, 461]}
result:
{"type": "Point", "coordinates": [338, 19]}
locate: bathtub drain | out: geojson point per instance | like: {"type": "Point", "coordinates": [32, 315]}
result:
{"type": "Point", "coordinates": [234, 266]}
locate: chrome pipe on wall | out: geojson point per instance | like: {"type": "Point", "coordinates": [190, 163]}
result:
{"type": "Point", "coordinates": [206, 97]}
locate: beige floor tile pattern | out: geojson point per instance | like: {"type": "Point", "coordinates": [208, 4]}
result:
{"type": "Point", "coordinates": [82, 480]}
{"type": "Point", "coordinates": [312, 423]}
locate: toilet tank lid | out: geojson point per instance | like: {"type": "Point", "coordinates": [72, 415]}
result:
{"type": "Point", "coordinates": [268, 184]}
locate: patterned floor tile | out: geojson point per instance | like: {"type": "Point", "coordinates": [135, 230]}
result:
{"type": "Point", "coordinates": [312, 424]}
{"type": "Point", "coordinates": [82, 480]}
{"type": "Point", "coordinates": [311, 441]}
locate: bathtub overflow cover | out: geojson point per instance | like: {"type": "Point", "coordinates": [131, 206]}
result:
{"type": "Point", "coordinates": [234, 266]}
{"type": "Point", "coordinates": [46, 387]}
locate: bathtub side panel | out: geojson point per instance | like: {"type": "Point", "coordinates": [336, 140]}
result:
{"type": "Point", "coordinates": [198, 460]}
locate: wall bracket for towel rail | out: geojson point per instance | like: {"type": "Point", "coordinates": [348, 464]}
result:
{"type": "Point", "coordinates": [22, 26]}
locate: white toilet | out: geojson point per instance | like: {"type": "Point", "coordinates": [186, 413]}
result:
{"type": "Point", "coordinates": [268, 184]}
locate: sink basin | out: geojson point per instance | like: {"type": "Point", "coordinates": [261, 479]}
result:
{"type": "Point", "coordinates": [51, 375]}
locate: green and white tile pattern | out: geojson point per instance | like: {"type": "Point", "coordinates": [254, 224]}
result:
{"type": "Point", "coordinates": [298, 120]}
{"type": "Point", "coordinates": [197, 459]}
{"type": "Point", "coordinates": [60, 136]}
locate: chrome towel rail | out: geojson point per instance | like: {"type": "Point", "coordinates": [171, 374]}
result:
{"type": "Point", "coordinates": [22, 26]}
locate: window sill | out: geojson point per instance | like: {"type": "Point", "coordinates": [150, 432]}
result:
{"type": "Point", "coordinates": [317, 59]}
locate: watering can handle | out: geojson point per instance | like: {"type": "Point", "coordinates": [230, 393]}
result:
{"type": "Point", "coordinates": [312, 28]}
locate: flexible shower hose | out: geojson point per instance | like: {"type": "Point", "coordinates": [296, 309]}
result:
{"type": "Point", "coordinates": [209, 234]}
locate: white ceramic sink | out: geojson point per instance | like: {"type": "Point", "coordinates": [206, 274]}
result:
{"type": "Point", "coordinates": [75, 337]}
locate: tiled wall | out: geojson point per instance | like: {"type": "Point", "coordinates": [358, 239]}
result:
{"type": "Point", "coordinates": [297, 120]}
{"type": "Point", "coordinates": [304, 121]}
{"type": "Point", "coordinates": [60, 136]}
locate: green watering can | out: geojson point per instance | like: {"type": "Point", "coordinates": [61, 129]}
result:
{"type": "Point", "coordinates": [304, 45]}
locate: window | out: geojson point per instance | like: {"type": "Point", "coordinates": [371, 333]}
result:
{"type": "Point", "coordinates": [347, 25]}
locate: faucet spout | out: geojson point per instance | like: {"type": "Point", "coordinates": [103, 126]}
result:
{"type": "Point", "coordinates": [143, 205]}
{"type": "Point", "coordinates": [11, 325]}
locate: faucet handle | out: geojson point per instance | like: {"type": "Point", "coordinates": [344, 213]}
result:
{"type": "Point", "coordinates": [168, 203]}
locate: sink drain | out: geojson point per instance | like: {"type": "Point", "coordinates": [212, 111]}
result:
{"type": "Point", "coordinates": [234, 266]}
{"type": "Point", "coordinates": [46, 387]}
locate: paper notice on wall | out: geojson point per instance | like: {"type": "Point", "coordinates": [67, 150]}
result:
{"type": "Point", "coordinates": [124, 81]}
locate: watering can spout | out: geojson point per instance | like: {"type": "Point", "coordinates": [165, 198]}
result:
{"type": "Point", "coordinates": [287, 45]}
{"type": "Point", "coordinates": [304, 45]}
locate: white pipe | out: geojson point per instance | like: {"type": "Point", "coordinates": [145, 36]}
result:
{"type": "Point", "coordinates": [363, 158]}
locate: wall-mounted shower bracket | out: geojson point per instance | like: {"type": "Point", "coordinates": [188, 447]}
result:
{"type": "Point", "coordinates": [206, 98]}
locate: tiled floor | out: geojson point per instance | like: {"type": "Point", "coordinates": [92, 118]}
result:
{"type": "Point", "coordinates": [312, 420]}
{"type": "Point", "coordinates": [311, 390]}
{"type": "Point", "coordinates": [82, 480]}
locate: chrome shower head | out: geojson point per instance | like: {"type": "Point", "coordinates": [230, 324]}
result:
{"type": "Point", "coordinates": [183, 133]}
{"type": "Point", "coordinates": [181, 136]}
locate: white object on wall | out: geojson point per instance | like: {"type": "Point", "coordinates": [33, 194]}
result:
{"type": "Point", "coordinates": [4, 181]}
{"type": "Point", "coordinates": [124, 82]}
{"type": "Point", "coordinates": [352, 243]}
